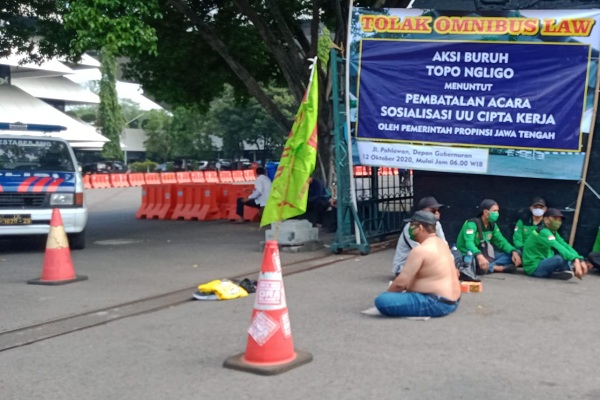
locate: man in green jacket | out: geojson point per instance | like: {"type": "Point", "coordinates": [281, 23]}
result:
{"type": "Point", "coordinates": [482, 234]}
{"type": "Point", "coordinates": [529, 222]}
{"type": "Point", "coordinates": [547, 255]}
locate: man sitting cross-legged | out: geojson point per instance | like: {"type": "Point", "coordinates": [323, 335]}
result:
{"type": "Point", "coordinates": [428, 284]}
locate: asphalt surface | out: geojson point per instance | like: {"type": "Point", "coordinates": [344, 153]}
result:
{"type": "Point", "coordinates": [521, 338]}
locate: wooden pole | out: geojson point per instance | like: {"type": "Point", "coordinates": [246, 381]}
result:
{"type": "Point", "coordinates": [588, 153]}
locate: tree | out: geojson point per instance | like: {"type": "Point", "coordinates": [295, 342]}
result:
{"type": "Point", "coordinates": [241, 123]}
{"type": "Point", "coordinates": [110, 119]}
{"type": "Point", "coordinates": [158, 127]}
{"type": "Point", "coordinates": [184, 51]}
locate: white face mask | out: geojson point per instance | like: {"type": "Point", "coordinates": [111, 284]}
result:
{"type": "Point", "coordinates": [538, 212]}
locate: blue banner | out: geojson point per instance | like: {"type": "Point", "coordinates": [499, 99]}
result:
{"type": "Point", "coordinates": [485, 94]}
{"type": "Point", "coordinates": [507, 92]}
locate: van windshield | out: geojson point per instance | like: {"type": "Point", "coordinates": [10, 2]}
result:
{"type": "Point", "coordinates": [35, 155]}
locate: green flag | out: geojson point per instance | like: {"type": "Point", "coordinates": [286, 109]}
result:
{"type": "Point", "coordinates": [289, 191]}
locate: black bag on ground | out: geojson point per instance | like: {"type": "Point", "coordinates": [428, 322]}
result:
{"type": "Point", "coordinates": [594, 258]}
{"type": "Point", "coordinates": [467, 272]}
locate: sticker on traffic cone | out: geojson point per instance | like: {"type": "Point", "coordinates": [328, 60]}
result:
{"type": "Point", "coordinates": [270, 348]}
{"type": "Point", "coordinates": [58, 267]}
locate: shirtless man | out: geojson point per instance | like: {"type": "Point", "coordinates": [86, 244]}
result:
{"type": "Point", "coordinates": [428, 285]}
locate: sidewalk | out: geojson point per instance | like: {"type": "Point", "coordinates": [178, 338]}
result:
{"type": "Point", "coordinates": [522, 338]}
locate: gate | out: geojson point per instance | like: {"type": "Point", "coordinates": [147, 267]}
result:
{"type": "Point", "coordinates": [384, 196]}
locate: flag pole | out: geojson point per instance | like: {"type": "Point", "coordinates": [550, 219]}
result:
{"type": "Point", "coordinates": [348, 125]}
{"type": "Point", "coordinates": [280, 191]}
{"type": "Point", "coordinates": [280, 216]}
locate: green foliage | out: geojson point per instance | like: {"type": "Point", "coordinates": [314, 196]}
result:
{"type": "Point", "coordinates": [158, 128]}
{"type": "Point", "coordinates": [115, 25]}
{"type": "Point", "coordinates": [143, 166]}
{"type": "Point", "coordinates": [185, 52]}
{"type": "Point", "coordinates": [132, 114]}
{"type": "Point", "coordinates": [247, 122]}
{"type": "Point", "coordinates": [180, 135]}
{"type": "Point", "coordinates": [88, 113]}
{"type": "Point", "coordinates": [110, 119]}
{"type": "Point", "coordinates": [325, 44]}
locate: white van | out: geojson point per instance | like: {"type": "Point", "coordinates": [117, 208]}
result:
{"type": "Point", "coordinates": [37, 174]}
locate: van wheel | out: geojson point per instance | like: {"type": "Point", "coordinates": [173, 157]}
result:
{"type": "Point", "coordinates": [77, 240]}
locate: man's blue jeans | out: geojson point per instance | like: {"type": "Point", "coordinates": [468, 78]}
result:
{"type": "Point", "coordinates": [408, 304]}
{"type": "Point", "coordinates": [500, 259]}
{"type": "Point", "coordinates": [553, 264]}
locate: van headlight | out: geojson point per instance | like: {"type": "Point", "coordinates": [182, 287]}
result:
{"type": "Point", "coordinates": [61, 199]}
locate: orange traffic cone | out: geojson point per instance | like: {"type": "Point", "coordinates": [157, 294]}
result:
{"type": "Point", "coordinates": [270, 348]}
{"type": "Point", "coordinates": [58, 267]}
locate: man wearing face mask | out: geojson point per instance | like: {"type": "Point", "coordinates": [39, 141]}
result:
{"type": "Point", "coordinates": [528, 223]}
{"type": "Point", "coordinates": [428, 285]}
{"type": "Point", "coordinates": [547, 255]}
{"type": "Point", "coordinates": [405, 243]}
{"type": "Point", "coordinates": [482, 237]}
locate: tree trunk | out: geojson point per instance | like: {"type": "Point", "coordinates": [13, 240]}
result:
{"type": "Point", "coordinates": [242, 73]}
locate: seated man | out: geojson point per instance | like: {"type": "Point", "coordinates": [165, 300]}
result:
{"type": "Point", "coordinates": [405, 244]}
{"type": "Point", "coordinates": [547, 255]}
{"type": "Point", "coordinates": [528, 222]}
{"type": "Point", "coordinates": [428, 285]}
{"type": "Point", "coordinates": [318, 201]}
{"type": "Point", "coordinates": [482, 237]}
{"type": "Point", "coordinates": [258, 198]}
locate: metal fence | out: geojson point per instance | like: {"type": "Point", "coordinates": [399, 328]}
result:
{"type": "Point", "coordinates": [384, 199]}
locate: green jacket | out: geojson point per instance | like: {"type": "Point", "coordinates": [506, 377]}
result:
{"type": "Point", "coordinates": [522, 231]}
{"type": "Point", "coordinates": [545, 244]}
{"type": "Point", "coordinates": [468, 238]}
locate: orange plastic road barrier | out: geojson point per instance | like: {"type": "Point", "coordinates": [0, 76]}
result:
{"type": "Point", "coordinates": [151, 199]}
{"type": "Point", "coordinates": [236, 191]}
{"type": "Point", "coordinates": [383, 171]}
{"type": "Point", "coordinates": [198, 199]}
{"type": "Point", "coordinates": [238, 176]}
{"type": "Point", "coordinates": [136, 179]}
{"type": "Point", "coordinates": [147, 204]}
{"type": "Point", "coordinates": [168, 177]}
{"type": "Point", "coordinates": [361, 170]}
{"type": "Point", "coordinates": [249, 175]}
{"type": "Point", "coordinates": [252, 214]}
{"type": "Point", "coordinates": [86, 182]}
{"type": "Point", "coordinates": [228, 195]}
{"type": "Point", "coordinates": [118, 180]}
{"type": "Point", "coordinates": [58, 266]}
{"type": "Point", "coordinates": [270, 348]}
{"type": "Point", "coordinates": [225, 193]}
{"type": "Point", "coordinates": [211, 176]}
{"type": "Point", "coordinates": [197, 177]}
{"type": "Point", "coordinates": [225, 177]}
{"type": "Point", "coordinates": [158, 201]}
{"type": "Point", "coordinates": [183, 177]}
{"type": "Point", "coordinates": [185, 201]}
{"type": "Point", "coordinates": [99, 181]}
{"type": "Point", "coordinates": [209, 198]}
{"type": "Point", "coordinates": [152, 178]}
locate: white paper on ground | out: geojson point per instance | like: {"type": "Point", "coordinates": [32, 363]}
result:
{"type": "Point", "coordinates": [375, 312]}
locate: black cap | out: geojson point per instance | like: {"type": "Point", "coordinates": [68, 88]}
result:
{"type": "Point", "coordinates": [487, 204]}
{"type": "Point", "coordinates": [538, 201]}
{"type": "Point", "coordinates": [428, 202]}
{"type": "Point", "coordinates": [423, 217]}
{"type": "Point", "coordinates": [553, 212]}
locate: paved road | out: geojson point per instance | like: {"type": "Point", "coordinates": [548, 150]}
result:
{"type": "Point", "coordinates": [522, 338]}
